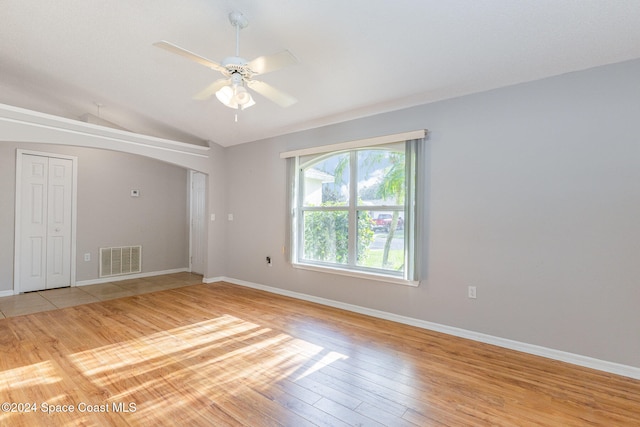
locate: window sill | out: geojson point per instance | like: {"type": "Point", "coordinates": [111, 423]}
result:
{"type": "Point", "coordinates": [358, 274]}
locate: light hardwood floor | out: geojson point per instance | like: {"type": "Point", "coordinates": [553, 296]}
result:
{"type": "Point", "coordinates": [219, 354]}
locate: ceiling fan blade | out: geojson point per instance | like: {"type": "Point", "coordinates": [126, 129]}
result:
{"type": "Point", "coordinates": [207, 92]}
{"type": "Point", "coordinates": [268, 63]}
{"type": "Point", "coordinates": [271, 93]}
{"type": "Point", "coordinates": [189, 55]}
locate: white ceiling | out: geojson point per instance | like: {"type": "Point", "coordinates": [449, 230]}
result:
{"type": "Point", "coordinates": [356, 57]}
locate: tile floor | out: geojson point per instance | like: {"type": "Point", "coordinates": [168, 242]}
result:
{"type": "Point", "coordinates": [53, 299]}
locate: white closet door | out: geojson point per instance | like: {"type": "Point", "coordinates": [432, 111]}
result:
{"type": "Point", "coordinates": [45, 223]}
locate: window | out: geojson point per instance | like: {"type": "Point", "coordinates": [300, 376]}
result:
{"type": "Point", "coordinates": [354, 210]}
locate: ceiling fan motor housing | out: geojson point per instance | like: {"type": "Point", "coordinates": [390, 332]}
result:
{"type": "Point", "coordinates": [237, 65]}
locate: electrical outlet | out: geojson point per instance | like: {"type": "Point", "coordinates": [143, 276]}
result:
{"type": "Point", "coordinates": [269, 261]}
{"type": "Point", "coordinates": [87, 256]}
{"type": "Point", "coordinates": [472, 292]}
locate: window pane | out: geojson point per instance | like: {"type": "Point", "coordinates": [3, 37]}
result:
{"type": "Point", "coordinates": [381, 182]}
{"type": "Point", "coordinates": [326, 236]}
{"type": "Point", "coordinates": [381, 178]}
{"type": "Point", "coordinates": [326, 182]}
{"type": "Point", "coordinates": [364, 237]}
{"type": "Point", "coordinates": [383, 248]}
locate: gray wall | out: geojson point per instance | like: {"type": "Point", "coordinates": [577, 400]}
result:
{"type": "Point", "coordinates": [533, 196]}
{"type": "Point", "coordinates": [107, 215]}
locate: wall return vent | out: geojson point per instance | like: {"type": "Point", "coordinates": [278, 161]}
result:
{"type": "Point", "coordinates": [120, 260]}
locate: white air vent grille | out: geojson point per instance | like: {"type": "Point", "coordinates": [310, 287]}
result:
{"type": "Point", "coordinates": [122, 260]}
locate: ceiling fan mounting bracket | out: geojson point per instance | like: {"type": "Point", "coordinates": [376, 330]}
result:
{"type": "Point", "coordinates": [237, 19]}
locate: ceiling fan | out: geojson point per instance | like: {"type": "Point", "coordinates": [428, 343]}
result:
{"type": "Point", "coordinates": [238, 72]}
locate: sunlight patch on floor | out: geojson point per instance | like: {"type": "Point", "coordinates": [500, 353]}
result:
{"type": "Point", "coordinates": [327, 360]}
{"type": "Point", "coordinates": [154, 348]}
{"type": "Point", "coordinates": [193, 365]}
{"type": "Point", "coordinates": [29, 376]}
{"type": "Point", "coordinates": [225, 351]}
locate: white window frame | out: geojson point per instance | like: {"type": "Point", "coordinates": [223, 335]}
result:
{"type": "Point", "coordinates": [410, 275]}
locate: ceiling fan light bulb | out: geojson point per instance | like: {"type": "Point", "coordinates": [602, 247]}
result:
{"type": "Point", "coordinates": [225, 94]}
{"type": "Point", "coordinates": [251, 103]}
{"type": "Point", "coordinates": [242, 96]}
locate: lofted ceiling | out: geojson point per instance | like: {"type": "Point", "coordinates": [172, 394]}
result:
{"type": "Point", "coordinates": [356, 58]}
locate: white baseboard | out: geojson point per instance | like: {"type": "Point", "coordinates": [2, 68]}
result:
{"type": "Point", "coordinates": [214, 279]}
{"type": "Point", "coordinates": [6, 293]}
{"type": "Point", "coordinates": [128, 277]}
{"type": "Point", "coordinates": [563, 356]}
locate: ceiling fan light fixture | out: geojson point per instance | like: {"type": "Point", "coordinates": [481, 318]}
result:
{"type": "Point", "coordinates": [235, 96]}
{"type": "Point", "coordinates": [242, 97]}
{"type": "Point", "coordinates": [225, 95]}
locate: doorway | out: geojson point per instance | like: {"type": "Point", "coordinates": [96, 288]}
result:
{"type": "Point", "coordinates": [197, 229]}
{"type": "Point", "coordinates": [45, 221]}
